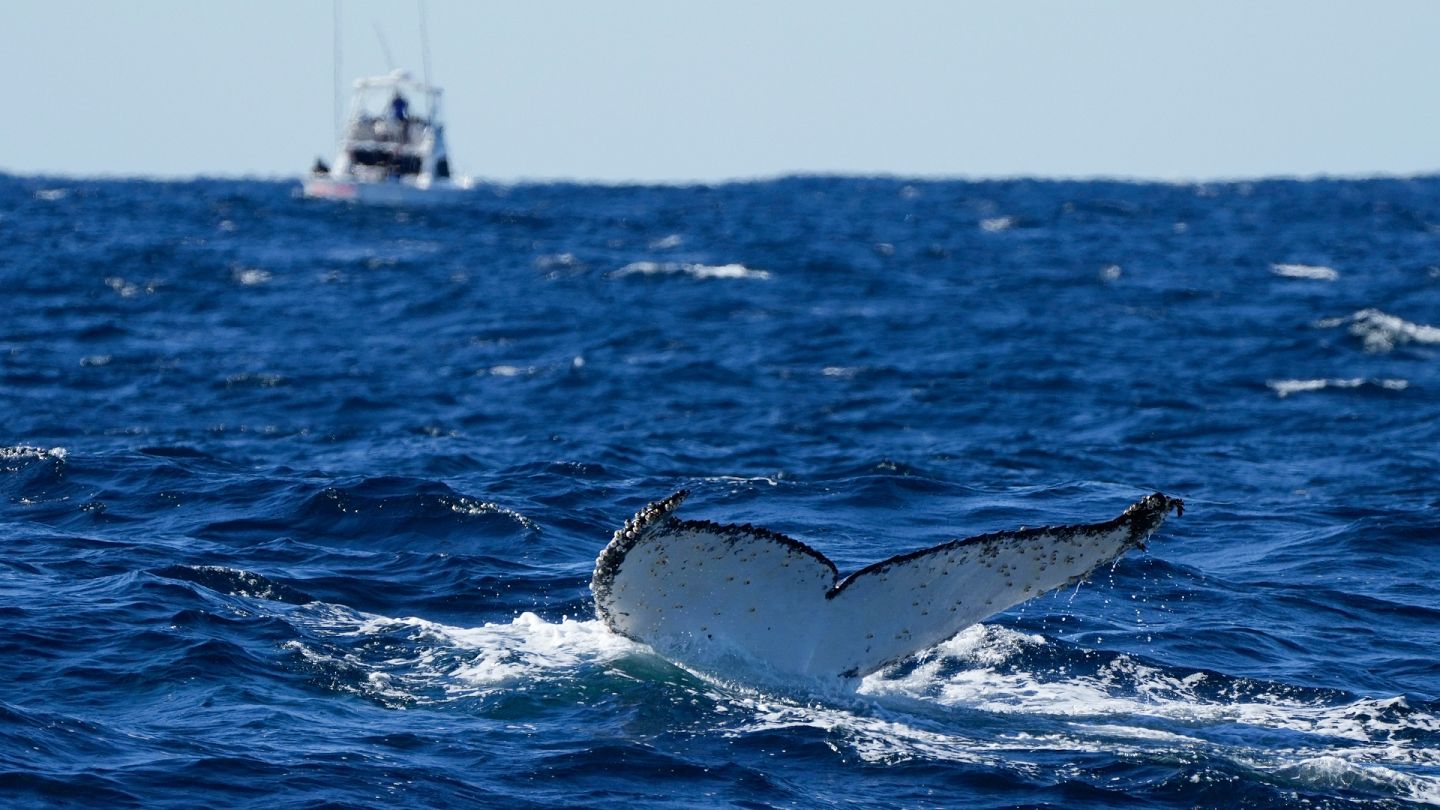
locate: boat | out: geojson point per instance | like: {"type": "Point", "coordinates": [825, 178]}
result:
{"type": "Point", "coordinates": [390, 151]}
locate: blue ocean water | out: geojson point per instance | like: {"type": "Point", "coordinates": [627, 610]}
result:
{"type": "Point", "coordinates": [299, 502]}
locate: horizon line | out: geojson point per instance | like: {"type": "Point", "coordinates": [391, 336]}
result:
{"type": "Point", "coordinates": [542, 180]}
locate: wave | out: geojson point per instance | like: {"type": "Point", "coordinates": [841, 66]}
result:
{"type": "Point", "coordinates": [391, 511]}
{"type": "Point", "coordinates": [410, 661]}
{"type": "Point", "coordinates": [563, 261]}
{"type": "Point", "coordinates": [34, 475]}
{"type": "Point", "coordinates": [1284, 388]}
{"type": "Point", "coordinates": [694, 270]}
{"type": "Point", "coordinates": [991, 696]}
{"type": "Point", "coordinates": [14, 457]}
{"type": "Point", "coordinates": [984, 667]}
{"type": "Point", "coordinates": [1305, 271]}
{"type": "Point", "coordinates": [1381, 332]}
{"type": "Point", "coordinates": [236, 582]}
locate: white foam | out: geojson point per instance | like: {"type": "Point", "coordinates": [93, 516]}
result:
{"type": "Point", "coordinates": [1306, 271]}
{"type": "Point", "coordinates": [464, 662]}
{"type": "Point", "coordinates": [20, 451]}
{"type": "Point", "coordinates": [1362, 744]}
{"type": "Point", "coordinates": [52, 194]}
{"type": "Point", "coordinates": [1284, 388]}
{"type": "Point", "coordinates": [252, 276]}
{"type": "Point", "coordinates": [997, 224]}
{"type": "Point", "coordinates": [1368, 731]}
{"type": "Point", "coordinates": [567, 261]}
{"type": "Point", "coordinates": [1330, 772]}
{"type": "Point", "coordinates": [873, 739]}
{"type": "Point", "coordinates": [509, 371]}
{"type": "Point", "coordinates": [1381, 332]}
{"type": "Point", "coordinates": [126, 289]}
{"type": "Point", "coordinates": [922, 711]}
{"type": "Point", "coordinates": [694, 270]}
{"type": "Point", "coordinates": [674, 240]}
{"type": "Point", "coordinates": [526, 647]}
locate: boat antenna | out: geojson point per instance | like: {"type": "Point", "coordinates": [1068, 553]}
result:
{"type": "Point", "coordinates": [424, 43]}
{"type": "Point", "coordinates": [335, 67]}
{"type": "Point", "coordinates": [384, 47]}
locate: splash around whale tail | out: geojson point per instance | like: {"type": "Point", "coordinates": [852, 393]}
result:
{"type": "Point", "coordinates": [706, 594]}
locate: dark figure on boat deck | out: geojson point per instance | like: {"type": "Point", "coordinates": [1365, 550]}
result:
{"type": "Point", "coordinates": [400, 112]}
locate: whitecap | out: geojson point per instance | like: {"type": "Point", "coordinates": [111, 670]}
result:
{"type": "Point", "coordinates": [1306, 271]}
{"type": "Point", "coordinates": [24, 452]}
{"type": "Point", "coordinates": [551, 261]}
{"type": "Point", "coordinates": [694, 270]}
{"type": "Point", "coordinates": [508, 371]}
{"type": "Point", "coordinates": [724, 271]}
{"type": "Point", "coordinates": [52, 194]}
{"type": "Point", "coordinates": [1328, 772]}
{"type": "Point", "coordinates": [997, 224]}
{"type": "Point", "coordinates": [251, 276]}
{"type": "Point", "coordinates": [674, 240]}
{"type": "Point", "coordinates": [126, 289]}
{"type": "Point", "coordinates": [1381, 332]}
{"type": "Point", "coordinates": [1284, 388]}
{"type": "Point", "coordinates": [646, 268]}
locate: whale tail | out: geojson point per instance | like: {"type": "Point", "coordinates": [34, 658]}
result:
{"type": "Point", "coordinates": [698, 591]}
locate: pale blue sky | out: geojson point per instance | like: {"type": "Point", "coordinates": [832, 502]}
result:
{"type": "Point", "coordinates": [652, 90]}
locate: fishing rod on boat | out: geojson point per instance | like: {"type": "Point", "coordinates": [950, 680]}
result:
{"type": "Point", "coordinates": [384, 46]}
{"type": "Point", "coordinates": [335, 67]}
{"type": "Point", "coordinates": [424, 43]}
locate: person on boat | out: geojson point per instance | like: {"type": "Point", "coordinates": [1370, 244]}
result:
{"type": "Point", "coordinates": [400, 114]}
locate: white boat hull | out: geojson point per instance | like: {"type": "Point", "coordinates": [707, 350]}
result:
{"type": "Point", "coordinates": [397, 192]}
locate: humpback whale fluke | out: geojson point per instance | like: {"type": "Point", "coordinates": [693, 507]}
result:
{"type": "Point", "coordinates": [700, 592]}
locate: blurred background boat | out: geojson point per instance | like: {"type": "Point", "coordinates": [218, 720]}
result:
{"type": "Point", "coordinates": [389, 152]}
{"type": "Point", "coordinates": [392, 145]}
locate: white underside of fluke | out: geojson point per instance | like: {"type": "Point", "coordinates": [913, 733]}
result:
{"type": "Point", "coordinates": [712, 596]}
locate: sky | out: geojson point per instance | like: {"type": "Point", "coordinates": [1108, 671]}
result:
{"type": "Point", "coordinates": [694, 90]}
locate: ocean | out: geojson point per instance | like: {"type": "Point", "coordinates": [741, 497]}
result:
{"type": "Point", "coordinates": [299, 502]}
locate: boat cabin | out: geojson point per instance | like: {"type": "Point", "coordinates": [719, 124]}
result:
{"type": "Point", "coordinates": [393, 132]}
